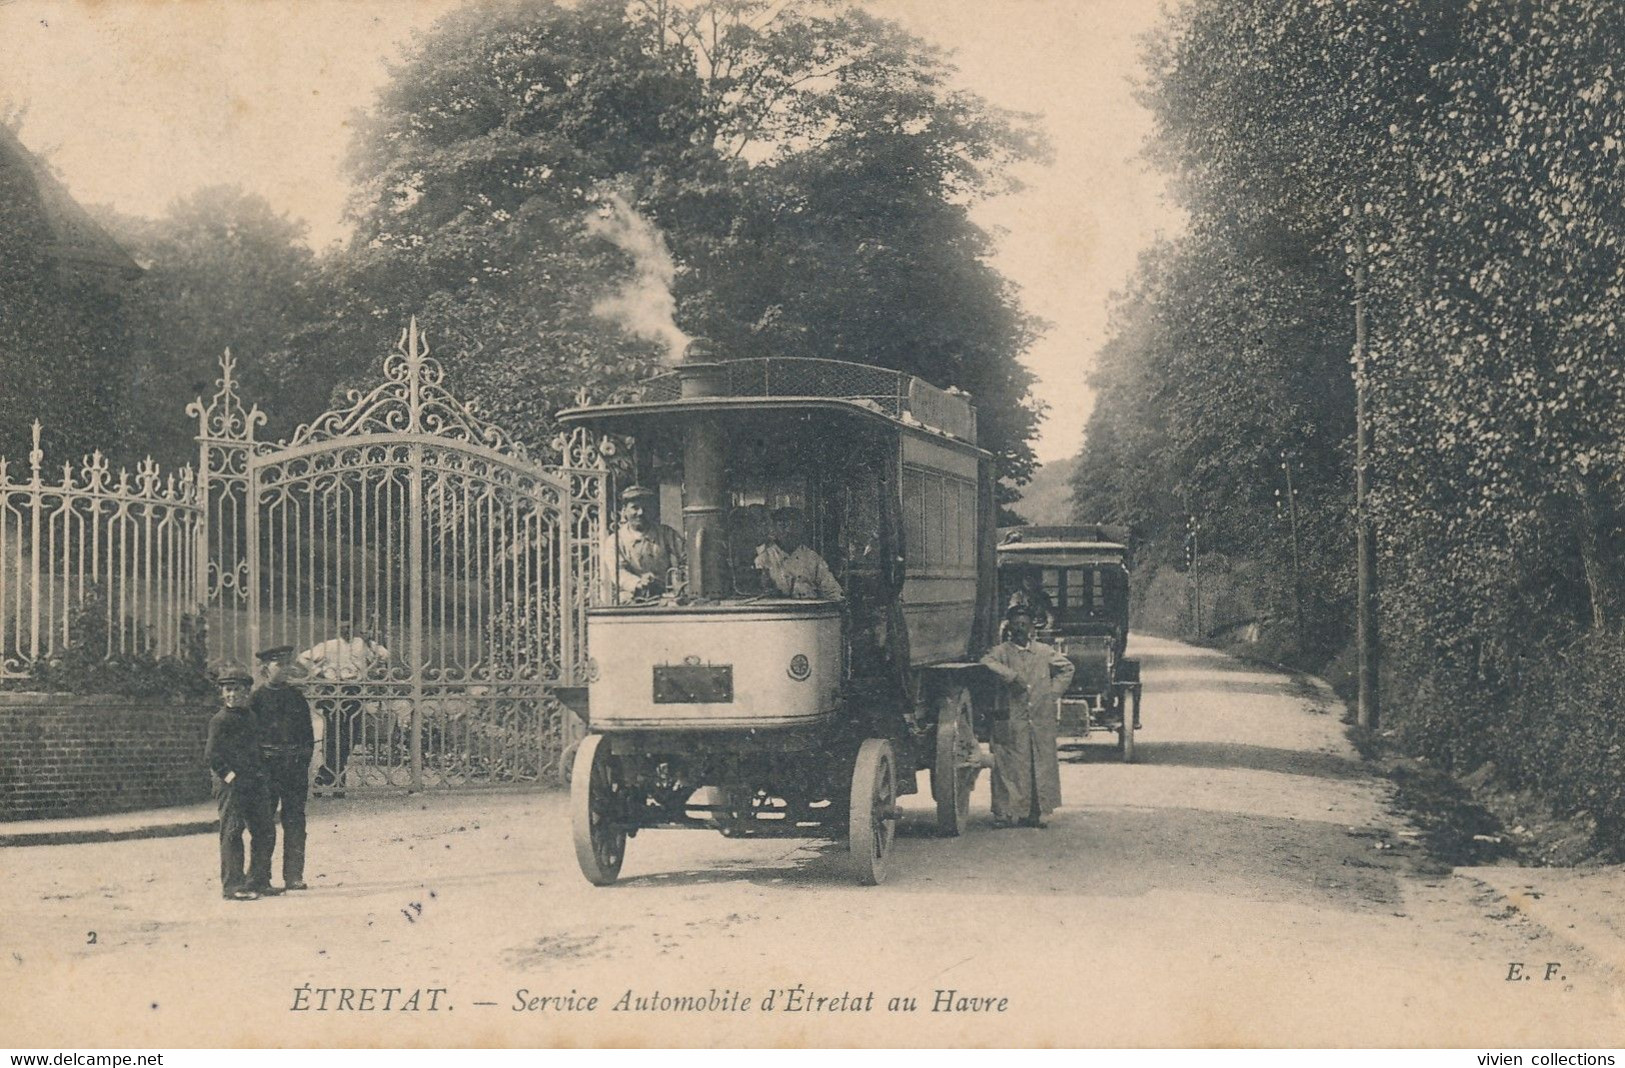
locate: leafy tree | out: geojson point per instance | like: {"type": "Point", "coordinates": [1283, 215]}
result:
{"type": "Point", "coordinates": [224, 270]}
{"type": "Point", "coordinates": [1127, 474]}
{"type": "Point", "coordinates": [1230, 354]}
{"type": "Point", "coordinates": [1502, 416]}
{"type": "Point", "coordinates": [1219, 372]}
{"type": "Point", "coordinates": [1467, 157]}
{"type": "Point", "coordinates": [809, 167]}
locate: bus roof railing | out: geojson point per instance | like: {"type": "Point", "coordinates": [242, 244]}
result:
{"type": "Point", "coordinates": [895, 394]}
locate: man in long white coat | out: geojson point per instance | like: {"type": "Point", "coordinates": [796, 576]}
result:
{"type": "Point", "coordinates": [1026, 770]}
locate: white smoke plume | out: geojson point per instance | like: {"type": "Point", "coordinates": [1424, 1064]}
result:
{"type": "Point", "coordinates": [644, 306]}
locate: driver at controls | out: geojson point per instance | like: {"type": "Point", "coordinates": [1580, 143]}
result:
{"type": "Point", "coordinates": [639, 557]}
{"type": "Point", "coordinates": [793, 568]}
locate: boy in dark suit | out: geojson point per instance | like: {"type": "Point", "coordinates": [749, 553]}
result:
{"type": "Point", "coordinates": [240, 787]}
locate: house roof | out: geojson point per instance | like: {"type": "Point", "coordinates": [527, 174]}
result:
{"type": "Point", "coordinates": [76, 240]}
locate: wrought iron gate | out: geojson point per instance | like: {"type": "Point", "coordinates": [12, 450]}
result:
{"type": "Point", "coordinates": [432, 578]}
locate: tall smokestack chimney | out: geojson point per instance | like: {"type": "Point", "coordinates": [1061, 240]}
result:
{"type": "Point", "coordinates": [705, 489]}
{"type": "Point", "coordinates": [701, 373]}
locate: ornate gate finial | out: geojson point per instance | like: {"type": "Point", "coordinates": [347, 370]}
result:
{"type": "Point", "coordinates": [225, 418]}
{"type": "Point", "coordinates": [411, 400]}
{"type": "Point", "coordinates": [414, 346]}
{"type": "Point", "coordinates": [36, 455]}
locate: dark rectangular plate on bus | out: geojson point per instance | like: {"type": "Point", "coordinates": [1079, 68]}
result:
{"type": "Point", "coordinates": [694, 684]}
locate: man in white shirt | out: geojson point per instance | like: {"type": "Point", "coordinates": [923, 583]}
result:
{"type": "Point", "coordinates": [346, 658]}
{"type": "Point", "coordinates": [794, 568]}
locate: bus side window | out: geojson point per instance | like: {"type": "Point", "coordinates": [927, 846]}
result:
{"type": "Point", "coordinates": [859, 535]}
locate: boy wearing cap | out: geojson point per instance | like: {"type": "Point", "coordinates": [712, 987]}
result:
{"type": "Point", "coordinates": [1026, 769]}
{"type": "Point", "coordinates": [233, 756]}
{"type": "Point", "coordinates": [287, 741]}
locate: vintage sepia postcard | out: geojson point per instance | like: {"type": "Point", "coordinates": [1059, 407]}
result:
{"type": "Point", "coordinates": [810, 523]}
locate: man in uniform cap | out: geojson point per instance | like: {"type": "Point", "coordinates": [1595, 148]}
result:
{"type": "Point", "coordinates": [1026, 769]}
{"type": "Point", "coordinates": [287, 740]}
{"type": "Point", "coordinates": [639, 556]}
{"type": "Point", "coordinates": [240, 789]}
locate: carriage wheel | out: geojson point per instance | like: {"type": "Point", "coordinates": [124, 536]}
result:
{"type": "Point", "coordinates": [954, 774]}
{"type": "Point", "coordinates": [872, 814]}
{"type": "Point", "coordinates": [1125, 733]}
{"type": "Point", "coordinates": [595, 809]}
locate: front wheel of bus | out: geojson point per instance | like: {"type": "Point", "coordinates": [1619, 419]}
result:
{"type": "Point", "coordinates": [872, 815]}
{"type": "Point", "coordinates": [595, 812]}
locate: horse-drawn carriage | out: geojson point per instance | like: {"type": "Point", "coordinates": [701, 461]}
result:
{"type": "Point", "coordinates": [724, 704]}
{"type": "Point", "coordinates": [1075, 578]}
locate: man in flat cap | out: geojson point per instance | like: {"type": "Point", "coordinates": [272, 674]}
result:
{"type": "Point", "coordinates": [639, 557]}
{"type": "Point", "coordinates": [240, 788]}
{"type": "Point", "coordinates": [287, 740]}
{"type": "Point", "coordinates": [1026, 769]}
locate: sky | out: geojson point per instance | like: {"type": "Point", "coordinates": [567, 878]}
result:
{"type": "Point", "coordinates": [136, 102]}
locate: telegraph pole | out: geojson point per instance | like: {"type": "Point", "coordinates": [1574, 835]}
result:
{"type": "Point", "coordinates": [1368, 714]}
{"type": "Point", "coordinates": [1192, 556]}
{"type": "Point", "coordinates": [1292, 526]}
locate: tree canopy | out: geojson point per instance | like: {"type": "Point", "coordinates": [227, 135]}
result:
{"type": "Point", "coordinates": [808, 167]}
{"type": "Point", "coordinates": [1467, 157]}
{"type": "Point", "coordinates": [563, 193]}
{"type": "Point", "coordinates": [223, 270]}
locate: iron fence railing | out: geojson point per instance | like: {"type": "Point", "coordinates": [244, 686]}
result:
{"type": "Point", "coordinates": [116, 553]}
{"type": "Point", "coordinates": [463, 564]}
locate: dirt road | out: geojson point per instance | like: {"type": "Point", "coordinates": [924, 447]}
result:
{"type": "Point", "coordinates": [1233, 887]}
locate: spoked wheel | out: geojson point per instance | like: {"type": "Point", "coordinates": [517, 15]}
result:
{"type": "Point", "coordinates": [595, 812]}
{"type": "Point", "coordinates": [953, 776]}
{"type": "Point", "coordinates": [872, 815]}
{"type": "Point", "coordinates": [1125, 733]}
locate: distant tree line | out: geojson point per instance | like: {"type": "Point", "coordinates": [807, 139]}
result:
{"type": "Point", "coordinates": [1468, 156]}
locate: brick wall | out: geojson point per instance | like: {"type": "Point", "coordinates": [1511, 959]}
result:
{"type": "Point", "coordinates": [63, 755]}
